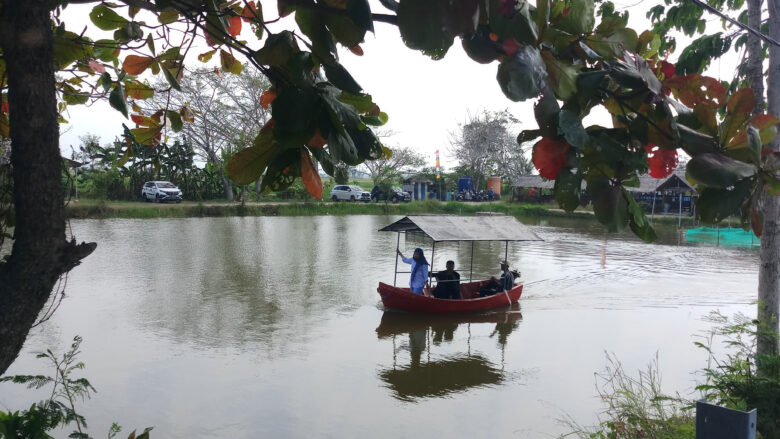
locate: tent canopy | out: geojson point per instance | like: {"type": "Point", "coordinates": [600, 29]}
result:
{"type": "Point", "coordinates": [464, 228]}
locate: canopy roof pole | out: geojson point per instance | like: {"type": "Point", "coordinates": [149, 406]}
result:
{"type": "Point", "coordinates": [433, 253]}
{"type": "Point", "coordinates": [397, 249]}
{"type": "Point", "coordinates": [506, 252]}
{"type": "Point", "coordinates": [471, 270]}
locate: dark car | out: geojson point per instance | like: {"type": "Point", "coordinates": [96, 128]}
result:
{"type": "Point", "coordinates": [396, 195]}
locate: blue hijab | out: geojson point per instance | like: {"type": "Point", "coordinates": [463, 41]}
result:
{"type": "Point", "coordinates": [418, 262]}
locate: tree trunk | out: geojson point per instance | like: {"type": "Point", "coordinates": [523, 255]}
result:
{"type": "Point", "coordinates": [769, 270]}
{"type": "Point", "coordinates": [755, 60]}
{"type": "Point", "coordinates": [228, 185]}
{"type": "Point", "coordinates": [40, 252]}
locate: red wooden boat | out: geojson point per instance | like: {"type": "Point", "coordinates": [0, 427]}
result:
{"type": "Point", "coordinates": [450, 228]}
{"type": "Point", "coordinates": [402, 298]}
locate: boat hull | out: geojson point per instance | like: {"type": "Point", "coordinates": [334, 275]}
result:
{"type": "Point", "coordinates": [402, 298]}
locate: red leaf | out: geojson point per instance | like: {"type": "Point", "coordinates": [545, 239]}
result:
{"type": "Point", "coordinates": [510, 46]}
{"type": "Point", "coordinates": [139, 120]}
{"type": "Point", "coordinates": [96, 66]}
{"type": "Point", "coordinates": [317, 141]}
{"type": "Point", "coordinates": [234, 26]}
{"type": "Point", "coordinates": [493, 37]}
{"type": "Point", "coordinates": [662, 162]}
{"type": "Point", "coordinates": [267, 98]}
{"type": "Point", "coordinates": [755, 221]}
{"type": "Point", "coordinates": [549, 157]}
{"type": "Point", "coordinates": [4, 108]}
{"type": "Point", "coordinates": [135, 65]}
{"type": "Point", "coordinates": [249, 12]}
{"type": "Point", "coordinates": [311, 178]}
{"type": "Point", "coordinates": [357, 50]}
{"type": "Point", "coordinates": [667, 69]}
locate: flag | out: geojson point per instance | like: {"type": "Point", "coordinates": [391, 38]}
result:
{"type": "Point", "coordinates": [438, 170]}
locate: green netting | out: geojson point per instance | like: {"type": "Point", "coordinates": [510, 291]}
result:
{"type": "Point", "coordinates": [729, 236]}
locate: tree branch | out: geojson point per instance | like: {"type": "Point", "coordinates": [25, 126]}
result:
{"type": "Point", "coordinates": [712, 10]}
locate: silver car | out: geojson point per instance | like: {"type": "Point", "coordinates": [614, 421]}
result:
{"type": "Point", "coordinates": [344, 192]}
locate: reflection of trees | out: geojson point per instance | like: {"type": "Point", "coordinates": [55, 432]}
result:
{"type": "Point", "coordinates": [451, 374]}
{"type": "Point", "coordinates": [250, 280]}
{"type": "Point", "coordinates": [439, 378]}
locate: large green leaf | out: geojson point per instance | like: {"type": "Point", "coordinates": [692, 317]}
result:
{"type": "Point", "coordinates": [510, 19]}
{"type": "Point", "coordinates": [613, 44]}
{"type": "Point", "coordinates": [637, 220]}
{"type": "Point", "coordinates": [247, 165]}
{"type": "Point", "coordinates": [312, 23]}
{"type": "Point", "coordinates": [719, 171]}
{"type": "Point", "coordinates": [562, 75]}
{"type": "Point", "coordinates": [277, 49]}
{"type": "Point", "coordinates": [568, 188]}
{"type": "Point", "coordinates": [570, 126]}
{"type": "Point", "coordinates": [716, 204]}
{"type": "Point", "coordinates": [294, 112]}
{"type": "Point", "coordinates": [283, 168]}
{"type": "Point", "coordinates": [117, 99]}
{"type": "Point", "coordinates": [340, 77]}
{"type": "Point", "coordinates": [523, 75]}
{"type": "Point", "coordinates": [424, 25]}
{"type": "Point", "coordinates": [106, 18]}
{"type": "Point", "coordinates": [68, 48]}
{"type": "Point", "coordinates": [609, 204]}
{"type": "Point", "coordinates": [579, 19]}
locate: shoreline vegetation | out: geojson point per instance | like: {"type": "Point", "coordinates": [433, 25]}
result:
{"type": "Point", "coordinates": [94, 209]}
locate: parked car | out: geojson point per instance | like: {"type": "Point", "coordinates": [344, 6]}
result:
{"type": "Point", "coordinates": [343, 192]}
{"type": "Point", "coordinates": [396, 195]}
{"type": "Point", "coordinates": [161, 192]}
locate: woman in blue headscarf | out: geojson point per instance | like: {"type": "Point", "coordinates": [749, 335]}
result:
{"type": "Point", "coordinates": [419, 276]}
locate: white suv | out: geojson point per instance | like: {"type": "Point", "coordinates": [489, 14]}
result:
{"type": "Point", "coordinates": [349, 193]}
{"type": "Point", "coordinates": [160, 192]}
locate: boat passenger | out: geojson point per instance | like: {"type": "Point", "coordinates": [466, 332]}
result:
{"type": "Point", "coordinates": [419, 264]}
{"type": "Point", "coordinates": [449, 283]}
{"type": "Point", "coordinates": [505, 283]}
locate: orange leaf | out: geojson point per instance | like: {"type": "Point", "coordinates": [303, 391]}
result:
{"type": "Point", "coordinates": [695, 89]}
{"type": "Point", "coordinates": [311, 178]}
{"type": "Point", "coordinates": [234, 26]}
{"type": "Point", "coordinates": [4, 108]}
{"type": "Point", "coordinates": [317, 141]}
{"type": "Point", "coordinates": [249, 12]}
{"type": "Point", "coordinates": [661, 162]}
{"type": "Point", "coordinates": [139, 120]}
{"type": "Point", "coordinates": [738, 110]}
{"type": "Point", "coordinates": [357, 50]}
{"type": "Point", "coordinates": [135, 65]}
{"type": "Point", "coordinates": [96, 66]}
{"type": "Point", "coordinates": [767, 129]}
{"type": "Point", "coordinates": [267, 98]}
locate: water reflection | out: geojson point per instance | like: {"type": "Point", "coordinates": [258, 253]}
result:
{"type": "Point", "coordinates": [428, 375]}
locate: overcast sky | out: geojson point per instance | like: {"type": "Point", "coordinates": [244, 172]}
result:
{"type": "Point", "coordinates": [425, 99]}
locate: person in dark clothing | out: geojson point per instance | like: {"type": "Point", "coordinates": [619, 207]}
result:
{"type": "Point", "coordinates": [449, 283]}
{"type": "Point", "coordinates": [505, 283]}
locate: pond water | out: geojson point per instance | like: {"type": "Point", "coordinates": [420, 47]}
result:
{"type": "Point", "coordinates": [272, 327]}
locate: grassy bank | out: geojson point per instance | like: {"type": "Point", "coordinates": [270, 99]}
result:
{"type": "Point", "coordinates": [119, 209]}
{"type": "Point", "coordinates": [125, 209]}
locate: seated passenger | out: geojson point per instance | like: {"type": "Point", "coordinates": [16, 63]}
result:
{"type": "Point", "coordinates": [449, 283]}
{"type": "Point", "coordinates": [505, 283]}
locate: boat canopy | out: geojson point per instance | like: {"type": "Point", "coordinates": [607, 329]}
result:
{"type": "Point", "coordinates": [464, 228]}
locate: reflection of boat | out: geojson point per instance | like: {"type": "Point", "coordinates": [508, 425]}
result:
{"type": "Point", "coordinates": [728, 236]}
{"type": "Point", "coordinates": [402, 298]}
{"type": "Point", "coordinates": [441, 377]}
{"type": "Point", "coordinates": [450, 228]}
{"type": "Point", "coordinates": [399, 322]}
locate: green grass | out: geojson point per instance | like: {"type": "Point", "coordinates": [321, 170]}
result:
{"type": "Point", "coordinates": [121, 209]}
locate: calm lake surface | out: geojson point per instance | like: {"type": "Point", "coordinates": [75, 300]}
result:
{"type": "Point", "coordinates": [272, 327]}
